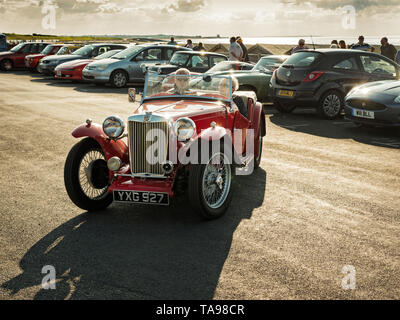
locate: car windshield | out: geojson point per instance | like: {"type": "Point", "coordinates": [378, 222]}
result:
{"type": "Point", "coordinates": [84, 51]}
{"type": "Point", "coordinates": [268, 63]}
{"type": "Point", "coordinates": [207, 87]}
{"type": "Point", "coordinates": [17, 47]}
{"type": "Point", "coordinates": [127, 53]}
{"type": "Point", "coordinates": [48, 49]}
{"type": "Point", "coordinates": [179, 59]}
{"type": "Point", "coordinates": [107, 54]}
{"type": "Point", "coordinates": [302, 59]}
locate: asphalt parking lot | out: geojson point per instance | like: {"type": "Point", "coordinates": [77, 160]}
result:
{"type": "Point", "coordinates": [326, 196]}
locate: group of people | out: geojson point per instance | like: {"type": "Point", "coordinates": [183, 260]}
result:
{"type": "Point", "coordinates": [237, 50]}
{"type": "Point", "coordinates": [388, 50]}
{"type": "Point", "coordinates": [189, 44]}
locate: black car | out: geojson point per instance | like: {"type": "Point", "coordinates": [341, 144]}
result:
{"type": "Point", "coordinates": [48, 64]}
{"type": "Point", "coordinates": [195, 61]}
{"type": "Point", "coordinates": [322, 78]}
{"type": "Point", "coordinates": [374, 104]}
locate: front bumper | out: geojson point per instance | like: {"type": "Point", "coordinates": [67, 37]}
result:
{"type": "Point", "coordinates": [390, 117]}
{"type": "Point", "coordinates": [47, 68]}
{"type": "Point", "coordinates": [68, 74]}
{"type": "Point", "coordinates": [96, 76]}
{"type": "Point", "coordinates": [300, 97]}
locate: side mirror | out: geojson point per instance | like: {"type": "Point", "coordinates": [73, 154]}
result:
{"type": "Point", "coordinates": [131, 94]}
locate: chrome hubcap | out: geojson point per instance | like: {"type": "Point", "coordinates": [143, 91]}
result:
{"type": "Point", "coordinates": [216, 181]}
{"type": "Point", "coordinates": [85, 175]}
{"type": "Point", "coordinates": [331, 105]}
{"type": "Point", "coordinates": [7, 65]}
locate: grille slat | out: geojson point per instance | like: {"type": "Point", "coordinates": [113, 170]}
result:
{"type": "Point", "coordinates": [156, 146]}
{"type": "Point", "coordinates": [366, 105]}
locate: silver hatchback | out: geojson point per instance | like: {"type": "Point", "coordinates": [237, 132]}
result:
{"type": "Point", "coordinates": [126, 66]}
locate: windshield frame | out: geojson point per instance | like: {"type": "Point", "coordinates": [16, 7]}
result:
{"type": "Point", "coordinates": [134, 53]}
{"type": "Point", "coordinates": [191, 97]}
{"type": "Point", "coordinates": [49, 49]}
{"type": "Point", "coordinates": [19, 46]}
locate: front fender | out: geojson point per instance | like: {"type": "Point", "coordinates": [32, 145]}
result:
{"type": "Point", "coordinates": [111, 148]}
{"type": "Point", "coordinates": [258, 114]}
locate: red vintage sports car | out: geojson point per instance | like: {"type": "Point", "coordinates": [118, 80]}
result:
{"type": "Point", "coordinates": [32, 60]}
{"type": "Point", "coordinates": [189, 139]}
{"type": "Point", "coordinates": [15, 58]}
{"type": "Point", "coordinates": [72, 70]}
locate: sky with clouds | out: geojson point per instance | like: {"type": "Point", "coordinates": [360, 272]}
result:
{"type": "Point", "coordinates": [250, 18]}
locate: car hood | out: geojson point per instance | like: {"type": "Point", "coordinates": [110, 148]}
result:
{"type": "Point", "coordinates": [176, 108]}
{"type": "Point", "coordinates": [63, 57]}
{"type": "Point", "coordinates": [103, 62]}
{"type": "Point", "coordinates": [74, 63]}
{"type": "Point", "coordinates": [387, 87]}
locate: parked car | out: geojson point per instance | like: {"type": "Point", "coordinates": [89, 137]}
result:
{"type": "Point", "coordinates": [194, 61]}
{"type": "Point", "coordinates": [15, 58]}
{"type": "Point", "coordinates": [32, 60]}
{"type": "Point", "coordinates": [375, 103]}
{"type": "Point", "coordinates": [168, 148]}
{"type": "Point", "coordinates": [322, 78]}
{"type": "Point", "coordinates": [48, 64]}
{"type": "Point", "coordinates": [72, 70]}
{"type": "Point", "coordinates": [258, 78]}
{"type": "Point", "coordinates": [126, 66]}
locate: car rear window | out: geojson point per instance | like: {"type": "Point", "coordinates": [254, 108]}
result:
{"type": "Point", "coordinates": [302, 59]}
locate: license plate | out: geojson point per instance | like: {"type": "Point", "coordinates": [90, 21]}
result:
{"type": "Point", "coordinates": [145, 197]}
{"type": "Point", "coordinates": [285, 93]}
{"type": "Point", "coordinates": [59, 73]}
{"type": "Point", "coordinates": [363, 114]}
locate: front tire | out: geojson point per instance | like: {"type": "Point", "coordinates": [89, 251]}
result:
{"type": "Point", "coordinates": [119, 79]}
{"type": "Point", "coordinates": [210, 186]}
{"type": "Point", "coordinates": [86, 176]}
{"type": "Point", "coordinates": [6, 65]}
{"type": "Point", "coordinates": [330, 105]}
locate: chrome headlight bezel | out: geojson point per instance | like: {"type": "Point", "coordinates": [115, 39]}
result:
{"type": "Point", "coordinates": [101, 67]}
{"type": "Point", "coordinates": [184, 129]}
{"type": "Point", "coordinates": [113, 127]}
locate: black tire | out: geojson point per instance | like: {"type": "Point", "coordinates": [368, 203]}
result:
{"type": "Point", "coordinates": [284, 107]}
{"type": "Point", "coordinates": [331, 105]}
{"type": "Point", "coordinates": [257, 160]}
{"type": "Point", "coordinates": [196, 196]}
{"type": "Point", "coordinates": [6, 65]}
{"type": "Point", "coordinates": [71, 177]}
{"type": "Point", "coordinates": [119, 79]}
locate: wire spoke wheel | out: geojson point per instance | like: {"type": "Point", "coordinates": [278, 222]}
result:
{"type": "Point", "coordinates": [93, 175]}
{"type": "Point", "coordinates": [216, 181]}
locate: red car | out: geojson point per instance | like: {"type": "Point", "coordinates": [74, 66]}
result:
{"type": "Point", "coordinates": [189, 139]}
{"type": "Point", "coordinates": [15, 58]}
{"type": "Point", "coordinates": [72, 70]}
{"type": "Point", "coordinates": [32, 60]}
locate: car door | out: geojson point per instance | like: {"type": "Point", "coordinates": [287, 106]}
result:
{"type": "Point", "coordinates": [348, 72]}
{"type": "Point", "coordinates": [19, 58]}
{"type": "Point", "coordinates": [151, 55]}
{"type": "Point", "coordinates": [378, 68]}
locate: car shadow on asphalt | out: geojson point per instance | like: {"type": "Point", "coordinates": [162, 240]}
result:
{"type": "Point", "coordinates": [307, 121]}
{"type": "Point", "coordinates": [139, 252]}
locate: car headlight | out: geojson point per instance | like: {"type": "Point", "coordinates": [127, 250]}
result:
{"type": "Point", "coordinates": [101, 67]}
{"type": "Point", "coordinates": [113, 127]}
{"type": "Point", "coordinates": [184, 129]}
{"type": "Point", "coordinates": [397, 99]}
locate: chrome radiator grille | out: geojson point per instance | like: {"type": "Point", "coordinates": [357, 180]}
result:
{"type": "Point", "coordinates": [156, 147]}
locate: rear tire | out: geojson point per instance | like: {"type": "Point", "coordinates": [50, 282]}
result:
{"type": "Point", "coordinates": [86, 162]}
{"type": "Point", "coordinates": [284, 108]}
{"type": "Point", "coordinates": [6, 65]}
{"type": "Point", "coordinates": [331, 105]}
{"type": "Point", "coordinates": [119, 79]}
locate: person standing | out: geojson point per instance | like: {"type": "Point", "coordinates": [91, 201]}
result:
{"type": "Point", "coordinates": [301, 46]}
{"type": "Point", "coordinates": [235, 51]}
{"type": "Point", "coordinates": [172, 42]}
{"type": "Point", "coordinates": [388, 50]}
{"type": "Point", "coordinates": [199, 47]}
{"type": "Point", "coordinates": [361, 45]}
{"type": "Point", "coordinates": [189, 44]}
{"type": "Point", "coordinates": [245, 56]}
{"type": "Point", "coordinates": [342, 44]}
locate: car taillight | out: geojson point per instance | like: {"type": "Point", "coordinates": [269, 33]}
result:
{"type": "Point", "coordinates": [313, 76]}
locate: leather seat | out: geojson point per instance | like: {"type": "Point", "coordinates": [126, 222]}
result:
{"type": "Point", "coordinates": [245, 96]}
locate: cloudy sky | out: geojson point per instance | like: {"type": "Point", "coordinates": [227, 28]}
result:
{"type": "Point", "coordinates": [250, 18]}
